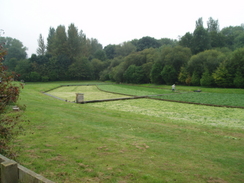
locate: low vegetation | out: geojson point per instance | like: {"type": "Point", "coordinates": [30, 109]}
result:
{"type": "Point", "coordinates": [139, 140]}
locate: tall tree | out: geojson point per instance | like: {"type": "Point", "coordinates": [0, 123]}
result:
{"type": "Point", "coordinates": [169, 74]}
{"type": "Point", "coordinates": [124, 49]}
{"type": "Point", "coordinates": [216, 37]}
{"type": "Point", "coordinates": [175, 57]}
{"type": "Point", "coordinates": [155, 76]}
{"type": "Point", "coordinates": [213, 25]}
{"type": "Point", "coordinates": [50, 41]}
{"type": "Point", "coordinates": [186, 40]}
{"type": "Point", "coordinates": [222, 77]}
{"type": "Point", "coordinates": [85, 52]}
{"type": "Point", "coordinates": [16, 51]}
{"type": "Point", "coordinates": [167, 41]}
{"type": "Point", "coordinates": [60, 41]}
{"type": "Point", "coordinates": [134, 74]}
{"type": "Point", "coordinates": [41, 50]}
{"type": "Point", "coordinates": [231, 35]}
{"type": "Point", "coordinates": [73, 42]}
{"type": "Point", "coordinates": [100, 54]}
{"type": "Point", "coordinates": [94, 46]}
{"type": "Point", "coordinates": [147, 42]}
{"type": "Point", "coordinates": [209, 59]}
{"type": "Point", "coordinates": [81, 69]}
{"type": "Point", "coordinates": [201, 40]}
{"type": "Point", "coordinates": [199, 22]}
{"type": "Point", "coordinates": [236, 62]}
{"type": "Point", "coordinates": [110, 51]}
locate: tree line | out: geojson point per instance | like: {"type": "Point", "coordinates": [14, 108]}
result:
{"type": "Point", "coordinates": [207, 57]}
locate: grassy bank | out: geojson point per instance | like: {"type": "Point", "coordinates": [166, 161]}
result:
{"type": "Point", "coordinates": [130, 141]}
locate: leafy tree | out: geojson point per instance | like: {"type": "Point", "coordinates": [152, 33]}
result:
{"type": "Point", "coordinates": [209, 59]}
{"type": "Point", "coordinates": [207, 79]}
{"type": "Point", "coordinates": [116, 61]}
{"type": "Point", "coordinates": [60, 41]}
{"type": "Point", "coordinates": [16, 51]}
{"type": "Point", "coordinates": [53, 69]}
{"type": "Point", "coordinates": [221, 76]}
{"type": "Point", "coordinates": [134, 42]}
{"type": "Point", "coordinates": [236, 61]}
{"type": "Point", "coordinates": [213, 25]}
{"type": "Point", "coordinates": [44, 78]}
{"type": "Point", "coordinates": [230, 34]}
{"type": "Point", "coordinates": [155, 76]}
{"type": "Point", "coordinates": [186, 40]}
{"type": "Point", "coordinates": [136, 58]}
{"type": "Point", "coordinates": [84, 43]}
{"type": "Point", "coordinates": [200, 40]}
{"type": "Point", "coordinates": [195, 79]}
{"type": "Point", "coordinates": [11, 64]}
{"type": "Point", "coordinates": [97, 66]}
{"type": "Point", "coordinates": [110, 51]}
{"type": "Point", "coordinates": [41, 50]}
{"type": "Point", "coordinates": [147, 42]}
{"type": "Point", "coordinates": [147, 67]}
{"type": "Point", "coordinates": [199, 22]}
{"type": "Point", "coordinates": [100, 54]}
{"type": "Point", "coordinates": [73, 42]}
{"type": "Point", "coordinates": [169, 74]}
{"type": "Point", "coordinates": [104, 75]}
{"type": "Point", "coordinates": [175, 57]}
{"type": "Point", "coordinates": [134, 74]}
{"type": "Point", "coordinates": [94, 46]}
{"type": "Point", "coordinates": [239, 79]}
{"type": "Point", "coordinates": [124, 49]}
{"type": "Point", "coordinates": [50, 41]}
{"type": "Point", "coordinates": [217, 39]}
{"type": "Point", "coordinates": [23, 68]}
{"type": "Point", "coordinates": [34, 76]}
{"type": "Point", "coordinates": [239, 41]}
{"type": "Point", "coordinates": [63, 63]}
{"type": "Point", "coordinates": [183, 75]}
{"type": "Point", "coordinates": [116, 74]}
{"type": "Point", "coordinates": [167, 41]}
{"type": "Point", "coordinates": [81, 69]}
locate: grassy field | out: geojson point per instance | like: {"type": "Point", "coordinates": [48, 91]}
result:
{"type": "Point", "coordinates": [140, 140]}
{"type": "Point", "coordinates": [235, 97]}
{"type": "Point", "coordinates": [90, 93]}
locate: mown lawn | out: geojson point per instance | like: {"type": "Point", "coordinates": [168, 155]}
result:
{"type": "Point", "coordinates": [90, 93]}
{"type": "Point", "coordinates": [140, 140]}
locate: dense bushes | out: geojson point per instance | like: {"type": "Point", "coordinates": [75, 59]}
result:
{"type": "Point", "coordinates": [9, 93]}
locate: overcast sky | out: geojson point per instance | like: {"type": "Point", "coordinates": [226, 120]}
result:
{"type": "Point", "coordinates": [113, 21]}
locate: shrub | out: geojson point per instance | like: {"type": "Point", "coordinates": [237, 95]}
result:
{"type": "Point", "coordinates": [9, 93]}
{"type": "Point", "coordinates": [45, 78]}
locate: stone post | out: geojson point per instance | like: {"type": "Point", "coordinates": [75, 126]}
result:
{"type": "Point", "coordinates": [79, 97]}
{"type": "Point", "coordinates": [9, 172]}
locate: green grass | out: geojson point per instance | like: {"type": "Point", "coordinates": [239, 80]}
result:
{"type": "Point", "coordinates": [226, 99]}
{"type": "Point", "coordinates": [181, 88]}
{"type": "Point", "coordinates": [235, 97]}
{"type": "Point", "coordinates": [138, 140]}
{"type": "Point", "coordinates": [134, 90]}
{"type": "Point", "coordinates": [90, 93]}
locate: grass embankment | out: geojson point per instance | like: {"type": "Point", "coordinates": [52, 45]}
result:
{"type": "Point", "coordinates": [128, 141]}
